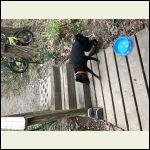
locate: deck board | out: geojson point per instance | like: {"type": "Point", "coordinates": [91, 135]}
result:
{"type": "Point", "coordinates": [57, 88]}
{"type": "Point", "coordinates": [127, 94]}
{"type": "Point", "coordinates": [71, 87]}
{"type": "Point", "coordinates": [119, 110]}
{"type": "Point", "coordinates": [92, 89]}
{"type": "Point", "coordinates": [79, 95]}
{"type": "Point", "coordinates": [62, 87]}
{"type": "Point", "coordinates": [139, 87]}
{"type": "Point", "coordinates": [97, 85]}
{"type": "Point", "coordinates": [143, 41]}
{"type": "Point", "coordinates": [66, 94]}
{"type": "Point", "coordinates": [109, 114]}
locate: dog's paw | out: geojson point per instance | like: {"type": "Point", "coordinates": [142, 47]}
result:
{"type": "Point", "coordinates": [98, 61]}
{"type": "Point", "coordinates": [99, 77]}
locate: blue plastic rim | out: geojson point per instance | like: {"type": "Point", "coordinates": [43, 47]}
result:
{"type": "Point", "coordinates": [123, 46]}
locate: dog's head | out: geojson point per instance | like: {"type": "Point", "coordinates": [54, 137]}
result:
{"type": "Point", "coordinates": [83, 78]}
{"type": "Point", "coordinates": [82, 39]}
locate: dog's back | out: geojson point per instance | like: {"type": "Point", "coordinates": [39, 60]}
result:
{"type": "Point", "coordinates": [81, 45]}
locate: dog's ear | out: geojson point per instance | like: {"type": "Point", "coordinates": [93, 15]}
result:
{"type": "Point", "coordinates": [79, 37]}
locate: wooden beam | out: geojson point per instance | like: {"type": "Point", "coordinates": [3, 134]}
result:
{"type": "Point", "coordinates": [16, 51]}
{"type": "Point", "coordinates": [45, 116]}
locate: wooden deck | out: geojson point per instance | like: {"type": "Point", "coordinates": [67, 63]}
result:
{"type": "Point", "coordinates": [122, 91]}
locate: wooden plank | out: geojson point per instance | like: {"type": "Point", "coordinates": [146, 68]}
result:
{"type": "Point", "coordinates": [17, 51]}
{"type": "Point", "coordinates": [45, 117]}
{"type": "Point", "coordinates": [83, 95]}
{"type": "Point", "coordinates": [71, 87]}
{"type": "Point", "coordinates": [109, 114]}
{"type": "Point", "coordinates": [120, 114]}
{"type": "Point", "coordinates": [80, 95]}
{"type": "Point", "coordinates": [127, 94]}
{"type": "Point", "coordinates": [87, 96]}
{"type": "Point", "coordinates": [97, 84]}
{"type": "Point", "coordinates": [92, 88]}
{"type": "Point", "coordinates": [57, 89]}
{"type": "Point", "coordinates": [62, 88]}
{"type": "Point", "coordinates": [139, 87]}
{"type": "Point", "coordinates": [143, 41]}
{"type": "Point", "coordinates": [66, 87]}
{"type": "Point", "coordinates": [51, 91]}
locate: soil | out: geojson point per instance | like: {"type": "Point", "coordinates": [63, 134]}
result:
{"type": "Point", "coordinates": [21, 94]}
{"type": "Point", "coordinates": [78, 123]}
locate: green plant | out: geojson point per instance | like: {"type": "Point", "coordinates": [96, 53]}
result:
{"type": "Point", "coordinates": [6, 74]}
{"type": "Point", "coordinates": [44, 126]}
{"type": "Point", "coordinates": [76, 28]}
{"type": "Point", "coordinates": [77, 128]}
{"type": "Point", "coordinates": [44, 56]}
{"type": "Point", "coordinates": [53, 29]}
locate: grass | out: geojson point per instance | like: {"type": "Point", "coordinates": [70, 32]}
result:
{"type": "Point", "coordinates": [76, 128]}
{"type": "Point", "coordinates": [59, 29]}
{"type": "Point", "coordinates": [52, 30]}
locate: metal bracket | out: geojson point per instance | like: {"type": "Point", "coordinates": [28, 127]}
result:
{"type": "Point", "coordinates": [96, 112]}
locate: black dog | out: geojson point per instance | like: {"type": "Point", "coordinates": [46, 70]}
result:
{"type": "Point", "coordinates": [79, 59]}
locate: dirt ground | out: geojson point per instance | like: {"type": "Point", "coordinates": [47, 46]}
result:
{"type": "Point", "coordinates": [78, 123]}
{"type": "Point", "coordinates": [21, 94]}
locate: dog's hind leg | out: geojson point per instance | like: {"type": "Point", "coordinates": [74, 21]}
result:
{"type": "Point", "coordinates": [94, 42]}
{"type": "Point", "coordinates": [90, 71]}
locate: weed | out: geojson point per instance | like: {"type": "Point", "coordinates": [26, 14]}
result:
{"type": "Point", "coordinates": [53, 29]}
{"type": "Point", "coordinates": [44, 126]}
{"type": "Point", "coordinates": [76, 128]}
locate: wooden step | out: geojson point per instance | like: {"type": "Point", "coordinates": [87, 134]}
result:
{"type": "Point", "coordinates": [67, 76]}
{"type": "Point", "coordinates": [54, 88]}
{"type": "Point", "coordinates": [74, 94]}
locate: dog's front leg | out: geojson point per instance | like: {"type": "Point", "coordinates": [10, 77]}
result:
{"type": "Point", "coordinates": [92, 58]}
{"type": "Point", "coordinates": [89, 70]}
